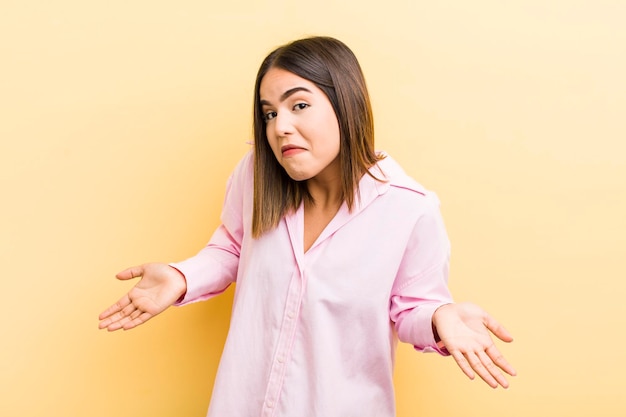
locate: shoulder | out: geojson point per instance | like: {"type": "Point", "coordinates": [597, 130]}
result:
{"type": "Point", "coordinates": [395, 181]}
{"type": "Point", "coordinates": [243, 173]}
{"type": "Point", "coordinates": [416, 204]}
{"type": "Point", "coordinates": [241, 179]}
{"type": "Point", "coordinates": [245, 166]}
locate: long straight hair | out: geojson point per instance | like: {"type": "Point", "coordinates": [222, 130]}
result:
{"type": "Point", "coordinates": [333, 68]}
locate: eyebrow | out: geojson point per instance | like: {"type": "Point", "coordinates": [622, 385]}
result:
{"type": "Point", "coordinates": [286, 95]}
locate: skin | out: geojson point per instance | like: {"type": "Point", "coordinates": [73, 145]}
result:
{"type": "Point", "coordinates": [464, 330]}
{"type": "Point", "coordinates": [159, 287]}
{"type": "Point", "coordinates": [301, 126]}
{"type": "Point", "coordinates": [303, 132]}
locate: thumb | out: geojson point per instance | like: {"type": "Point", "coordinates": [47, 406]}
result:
{"type": "Point", "coordinates": [130, 273]}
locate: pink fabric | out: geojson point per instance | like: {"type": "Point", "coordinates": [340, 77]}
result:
{"type": "Point", "coordinates": [314, 334]}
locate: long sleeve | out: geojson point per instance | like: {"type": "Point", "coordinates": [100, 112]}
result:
{"type": "Point", "coordinates": [215, 267]}
{"type": "Point", "coordinates": [212, 270]}
{"type": "Point", "coordinates": [422, 282]}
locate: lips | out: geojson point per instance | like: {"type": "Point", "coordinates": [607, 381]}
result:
{"type": "Point", "coordinates": [288, 150]}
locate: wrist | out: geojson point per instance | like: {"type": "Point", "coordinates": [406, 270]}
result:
{"type": "Point", "coordinates": [183, 281]}
{"type": "Point", "coordinates": [440, 344]}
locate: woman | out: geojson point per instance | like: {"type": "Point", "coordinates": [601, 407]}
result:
{"type": "Point", "coordinates": [336, 252]}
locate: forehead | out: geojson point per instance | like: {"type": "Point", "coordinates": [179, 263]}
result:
{"type": "Point", "coordinates": [277, 81]}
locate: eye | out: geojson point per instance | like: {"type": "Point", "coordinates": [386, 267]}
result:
{"type": "Point", "coordinates": [269, 115]}
{"type": "Point", "coordinates": [300, 106]}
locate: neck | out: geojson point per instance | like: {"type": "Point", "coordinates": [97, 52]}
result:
{"type": "Point", "coordinates": [325, 197]}
{"type": "Point", "coordinates": [326, 189]}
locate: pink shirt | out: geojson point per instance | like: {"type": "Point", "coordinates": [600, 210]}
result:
{"type": "Point", "coordinates": [314, 334]}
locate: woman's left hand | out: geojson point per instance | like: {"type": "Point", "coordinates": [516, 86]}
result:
{"type": "Point", "coordinates": [464, 330]}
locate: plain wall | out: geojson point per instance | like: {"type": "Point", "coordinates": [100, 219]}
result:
{"type": "Point", "coordinates": [121, 121]}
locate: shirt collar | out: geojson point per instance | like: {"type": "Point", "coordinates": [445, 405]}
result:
{"type": "Point", "coordinates": [385, 174]}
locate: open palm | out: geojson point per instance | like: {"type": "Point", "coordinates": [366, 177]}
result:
{"type": "Point", "coordinates": [465, 329]}
{"type": "Point", "coordinates": [159, 287]}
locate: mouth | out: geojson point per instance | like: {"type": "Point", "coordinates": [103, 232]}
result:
{"type": "Point", "coordinates": [288, 150]}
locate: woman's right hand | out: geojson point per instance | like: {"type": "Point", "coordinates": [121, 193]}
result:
{"type": "Point", "coordinates": [160, 286]}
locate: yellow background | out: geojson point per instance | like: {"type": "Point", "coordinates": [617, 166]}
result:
{"type": "Point", "coordinates": [120, 122]}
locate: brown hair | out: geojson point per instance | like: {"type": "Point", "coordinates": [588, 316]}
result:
{"type": "Point", "coordinates": [334, 69]}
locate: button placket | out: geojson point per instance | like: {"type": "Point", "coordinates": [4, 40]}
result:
{"type": "Point", "coordinates": [285, 343]}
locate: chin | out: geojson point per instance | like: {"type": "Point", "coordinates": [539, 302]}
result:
{"type": "Point", "coordinates": [298, 176]}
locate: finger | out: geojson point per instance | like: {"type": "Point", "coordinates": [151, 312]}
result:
{"type": "Point", "coordinates": [499, 360]}
{"type": "Point", "coordinates": [130, 273]}
{"type": "Point", "coordinates": [497, 329]}
{"type": "Point", "coordinates": [116, 325]}
{"type": "Point", "coordinates": [114, 322]}
{"type": "Point", "coordinates": [140, 319]}
{"type": "Point", "coordinates": [483, 370]}
{"type": "Point", "coordinates": [117, 314]}
{"type": "Point", "coordinates": [493, 370]}
{"type": "Point", "coordinates": [135, 314]}
{"type": "Point", "coordinates": [115, 308]}
{"type": "Point", "coordinates": [121, 319]}
{"type": "Point", "coordinates": [463, 364]}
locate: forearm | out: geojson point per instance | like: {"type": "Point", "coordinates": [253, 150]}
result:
{"type": "Point", "coordinates": [212, 270]}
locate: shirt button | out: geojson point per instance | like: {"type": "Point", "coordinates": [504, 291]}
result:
{"type": "Point", "coordinates": [280, 359]}
{"type": "Point", "coordinates": [290, 314]}
{"type": "Point", "coordinates": [270, 404]}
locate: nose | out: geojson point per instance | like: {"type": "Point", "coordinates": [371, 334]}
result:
{"type": "Point", "coordinates": [283, 124]}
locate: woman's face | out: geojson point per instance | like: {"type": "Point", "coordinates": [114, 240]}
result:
{"type": "Point", "coordinates": [301, 126]}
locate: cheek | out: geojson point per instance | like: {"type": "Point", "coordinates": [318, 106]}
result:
{"type": "Point", "coordinates": [335, 138]}
{"type": "Point", "coordinates": [332, 126]}
{"type": "Point", "coordinates": [271, 140]}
